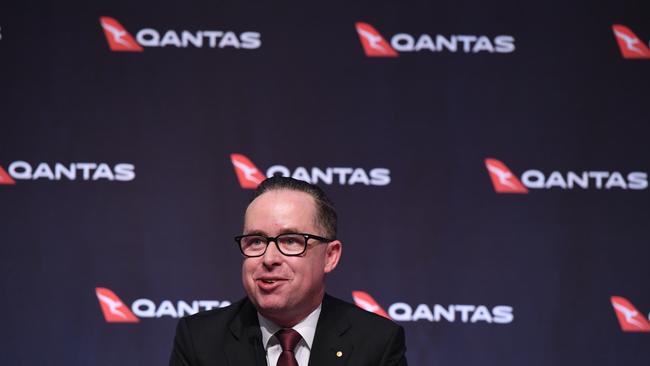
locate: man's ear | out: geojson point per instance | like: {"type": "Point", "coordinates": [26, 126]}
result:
{"type": "Point", "coordinates": [332, 255]}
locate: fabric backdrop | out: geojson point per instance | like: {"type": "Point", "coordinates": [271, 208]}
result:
{"type": "Point", "coordinates": [489, 162]}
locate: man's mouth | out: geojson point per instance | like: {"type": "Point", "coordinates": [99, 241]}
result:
{"type": "Point", "coordinates": [270, 279]}
{"type": "Point", "coordinates": [270, 284]}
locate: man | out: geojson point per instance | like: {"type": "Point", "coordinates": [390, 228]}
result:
{"type": "Point", "coordinates": [287, 319]}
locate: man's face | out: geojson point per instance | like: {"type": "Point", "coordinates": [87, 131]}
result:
{"type": "Point", "coordinates": [286, 289]}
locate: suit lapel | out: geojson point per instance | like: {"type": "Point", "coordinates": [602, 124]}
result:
{"type": "Point", "coordinates": [329, 347]}
{"type": "Point", "coordinates": [244, 347]}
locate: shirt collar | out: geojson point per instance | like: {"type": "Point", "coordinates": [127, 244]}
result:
{"type": "Point", "coordinates": [306, 328]}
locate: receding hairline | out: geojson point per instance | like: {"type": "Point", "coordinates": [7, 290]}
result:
{"type": "Point", "coordinates": [314, 203]}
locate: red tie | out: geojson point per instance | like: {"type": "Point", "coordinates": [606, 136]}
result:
{"type": "Point", "coordinates": [288, 338]}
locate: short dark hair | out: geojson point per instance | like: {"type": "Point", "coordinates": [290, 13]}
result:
{"type": "Point", "coordinates": [325, 213]}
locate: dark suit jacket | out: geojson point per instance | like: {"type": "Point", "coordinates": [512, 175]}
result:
{"type": "Point", "coordinates": [231, 336]}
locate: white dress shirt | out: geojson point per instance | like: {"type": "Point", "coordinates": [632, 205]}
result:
{"type": "Point", "coordinates": [306, 328]}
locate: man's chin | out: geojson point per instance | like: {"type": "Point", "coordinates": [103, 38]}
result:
{"type": "Point", "coordinates": [271, 303]}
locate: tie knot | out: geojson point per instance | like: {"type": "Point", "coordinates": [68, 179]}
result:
{"type": "Point", "coordinates": [288, 338]}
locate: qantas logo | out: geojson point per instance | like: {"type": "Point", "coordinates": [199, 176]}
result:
{"type": "Point", "coordinates": [22, 170]}
{"type": "Point", "coordinates": [403, 312]}
{"type": "Point", "coordinates": [630, 45]}
{"type": "Point", "coordinates": [120, 40]}
{"type": "Point", "coordinates": [367, 303]}
{"type": "Point", "coordinates": [5, 178]}
{"type": "Point", "coordinates": [504, 180]}
{"type": "Point", "coordinates": [250, 176]}
{"type": "Point", "coordinates": [374, 44]}
{"type": "Point", "coordinates": [113, 308]}
{"type": "Point", "coordinates": [247, 173]}
{"type": "Point", "coordinates": [117, 37]}
{"type": "Point", "coordinates": [628, 316]}
{"type": "Point", "coordinates": [116, 311]}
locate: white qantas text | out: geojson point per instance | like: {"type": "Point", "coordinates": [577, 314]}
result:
{"type": "Point", "coordinates": [23, 170]}
{"type": "Point", "coordinates": [403, 312]}
{"type": "Point", "coordinates": [146, 308]}
{"type": "Point", "coordinates": [149, 37]}
{"type": "Point", "coordinates": [535, 179]}
{"type": "Point", "coordinates": [342, 176]}
{"type": "Point", "coordinates": [404, 42]}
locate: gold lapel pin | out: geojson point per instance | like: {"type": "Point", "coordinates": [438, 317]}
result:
{"type": "Point", "coordinates": [339, 353]}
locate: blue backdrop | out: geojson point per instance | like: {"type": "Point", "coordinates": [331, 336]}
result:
{"type": "Point", "coordinates": [117, 175]}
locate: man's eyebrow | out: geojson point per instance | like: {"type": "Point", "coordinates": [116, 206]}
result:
{"type": "Point", "coordinates": [263, 233]}
{"type": "Point", "coordinates": [255, 232]}
{"type": "Point", "coordinates": [290, 231]}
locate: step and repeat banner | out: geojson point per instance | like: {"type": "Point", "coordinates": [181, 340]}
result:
{"type": "Point", "coordinates": [489, 163]}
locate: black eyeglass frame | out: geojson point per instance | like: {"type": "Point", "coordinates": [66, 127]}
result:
{"type": "Point", "coordinates": [274, 239]}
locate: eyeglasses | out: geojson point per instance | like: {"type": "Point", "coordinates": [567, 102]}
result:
{"type": "Point", "coordinates": [290, 244]}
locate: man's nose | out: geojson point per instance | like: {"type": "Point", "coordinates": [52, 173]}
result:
{"type": "Point", "coordinates": [272, 255]}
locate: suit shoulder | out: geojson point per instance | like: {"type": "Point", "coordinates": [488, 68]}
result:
{"type": "Point", "coordinates": [377, 340]}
